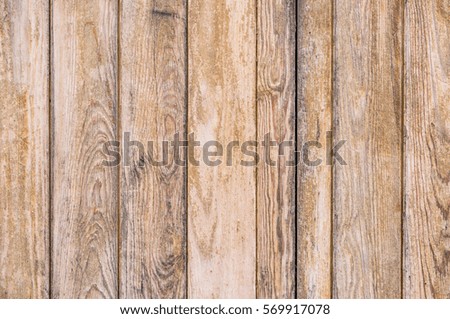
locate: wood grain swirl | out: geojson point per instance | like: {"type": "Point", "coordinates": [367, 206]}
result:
{"type": "Point", "coordinates": [276, 184]}
{"type": "Point", "coordinates": [84, 228]}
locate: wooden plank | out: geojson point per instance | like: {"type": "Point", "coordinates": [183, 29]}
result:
{"type": "Point", "coordinates": [153, 100]}
{"type": "Point", "coordinates": [276, 117]}
{"type": "Point", "coordinates": [84, 243]}
{"type": "Point", "coordinates": [427, 149]}
{"type": "Point", "coordinates": [368, 115]}
{"type": "Point", "coordinates": [314, 58]}
{"type": "Point", "coordinates": [222, 107]}
{"type": "Point", "coordinates": [24, 158]}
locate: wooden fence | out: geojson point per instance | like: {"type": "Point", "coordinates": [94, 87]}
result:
{"type": "Point", "coordinates": [359, 88]}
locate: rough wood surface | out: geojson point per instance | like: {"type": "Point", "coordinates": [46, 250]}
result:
{"type": "Point", "coordinates": [24, 159]}
{"type": "Point", "coordinates": [368, 115]}
{"type": "Point", "coordinates": [84, 190]}
{"type": "Point", "coordinates": [276, 184]}
{"type": "Point", "coordinates": [222, 107]}
{"type": "Point", "coordinates": [153, 105]}
{"type": "Point", "coordinates": [427, 150]}
{"type": "Point", "coordinates": [314, 224]}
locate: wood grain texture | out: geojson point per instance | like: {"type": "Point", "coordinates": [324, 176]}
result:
{"type": "Point", "coordinates": [153, 108]}
{"type": "Point", "coordinates": [84, 227]}
{"type": "Point", "coordinates": [427, 150]}
{"type": "Point", "coordinates": [368, 115]}
{"type": "Point", "coordinates": [222, 107]}
{"type": "Point", "coordinates": [276, 117]}
{"type": "Point", "coordinates": [314, 56]}
{"type": "Point", "coordinates": [24, 158]}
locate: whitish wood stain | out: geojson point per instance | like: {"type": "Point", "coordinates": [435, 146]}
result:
{"type": "Point", "coordinates": [24, 160]}
{"type": "Point", "coordinates": [222, 107]}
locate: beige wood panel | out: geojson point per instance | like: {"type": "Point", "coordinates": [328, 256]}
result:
{"type": "Point", "coordinates": [222, 107]}
{"type": "Point", "coordinates": [84, 190]}
{"type": "Point", "coordinates": [368, 115]}
{"type": "Point", "coordinates": [24, 158]}
{"type": "Point", "coordinates": [427, 149]}
{"type": "Point", "coordinates": [314, 56]}
{"type": "Point", "coordinates": [276, 117]}
{"type": "Point", "coordinates": [153, 107]}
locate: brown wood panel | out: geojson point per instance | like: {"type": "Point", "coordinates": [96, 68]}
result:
{"type": "Point", "coordinates": [24, 158]}
{"type": "Point", "coordinates": [222, 107]}
{"type": "Point", "coordinates": [314, 56]}
{"type": "Point", "coordinates": [276, 117]}
{"type": "Point", "coordinates": [153, 108]}
{"type": "Point", "coordinates": [427, 149]}
{"type": "Point", "coordinates": [84, 190]}
{"type": "Point", "coordinates": [368, 115]}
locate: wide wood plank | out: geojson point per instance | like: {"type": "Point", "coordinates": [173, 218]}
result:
{"type": "Point", "coordinates": [84, 228]}
{"type": "Point", "coordinates": [222, 107]}
{"type": "Point", "coordinates": [153, 108]}
{"type": "Point", "coordinates": [427, 149]}
{"type": "Point", "coordinates": [368, 115]}
{"type": "Point", "coordinates": [276, 121]}
{"type": "Point", "coordinates": [314, 114]}
{"type": "Point", "coordinates": [24, 157]}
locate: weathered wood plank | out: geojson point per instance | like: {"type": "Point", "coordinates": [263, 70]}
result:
{"type": "Point", "coordinates": [368, 114]}
{"type": "Point", "coordinates": [84, 243]}
{"type": "Point", "coordinates": [427, 149]}
{"type": "Point", "coordinates": [24, 157]}
{"type": "Point", "coordinates": [314, 225]}
{"type": "Point", "coordinates": [222, 107]}
{"type": "Point", "coordinates": [276, 117]}
{"type": "Point", "coordinates": [153, 108]}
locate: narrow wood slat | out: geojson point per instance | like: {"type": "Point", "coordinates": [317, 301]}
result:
{"type": "Point", "coordinates": [222, 107]}
{"type": "Point", "coordinates": [153, 108]}
{"type": "Point", "coordinates": [368, 114]}
{"type": "Point", "coordinates": [276, 181]}
{"type": "Point", "coordinates": [314, 225]}
{"type": "Point", "coordinates": [24, 158]}
{"type": "Point", "coordinates": [427, 149]}
{"type": "Point", "coordinates": [84, 242]}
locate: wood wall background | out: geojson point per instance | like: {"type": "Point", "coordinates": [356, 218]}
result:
{"type": "Point", "coordinates": [76, 74]}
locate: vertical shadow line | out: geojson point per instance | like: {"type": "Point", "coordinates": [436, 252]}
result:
{"type": "Point", "coordinates": [118, 132]}
{"type": "Point", "coordinates": [332, 186]}
{"type": "Point", "coordinates": [186, 169]}
{"type": "Point", "coordinates": [50, 146]}
{"type": "Point", "coordinates": [256, 167]}
{"type": "Point", "coordinates": [403, 155]}
{"type": "Point", "coordinates": [296, 159]}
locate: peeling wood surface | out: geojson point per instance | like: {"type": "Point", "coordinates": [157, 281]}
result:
{"type": "Point", "coordinates": [222, 107]}
{"type": "Point", "coordinates": [24, 149]}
